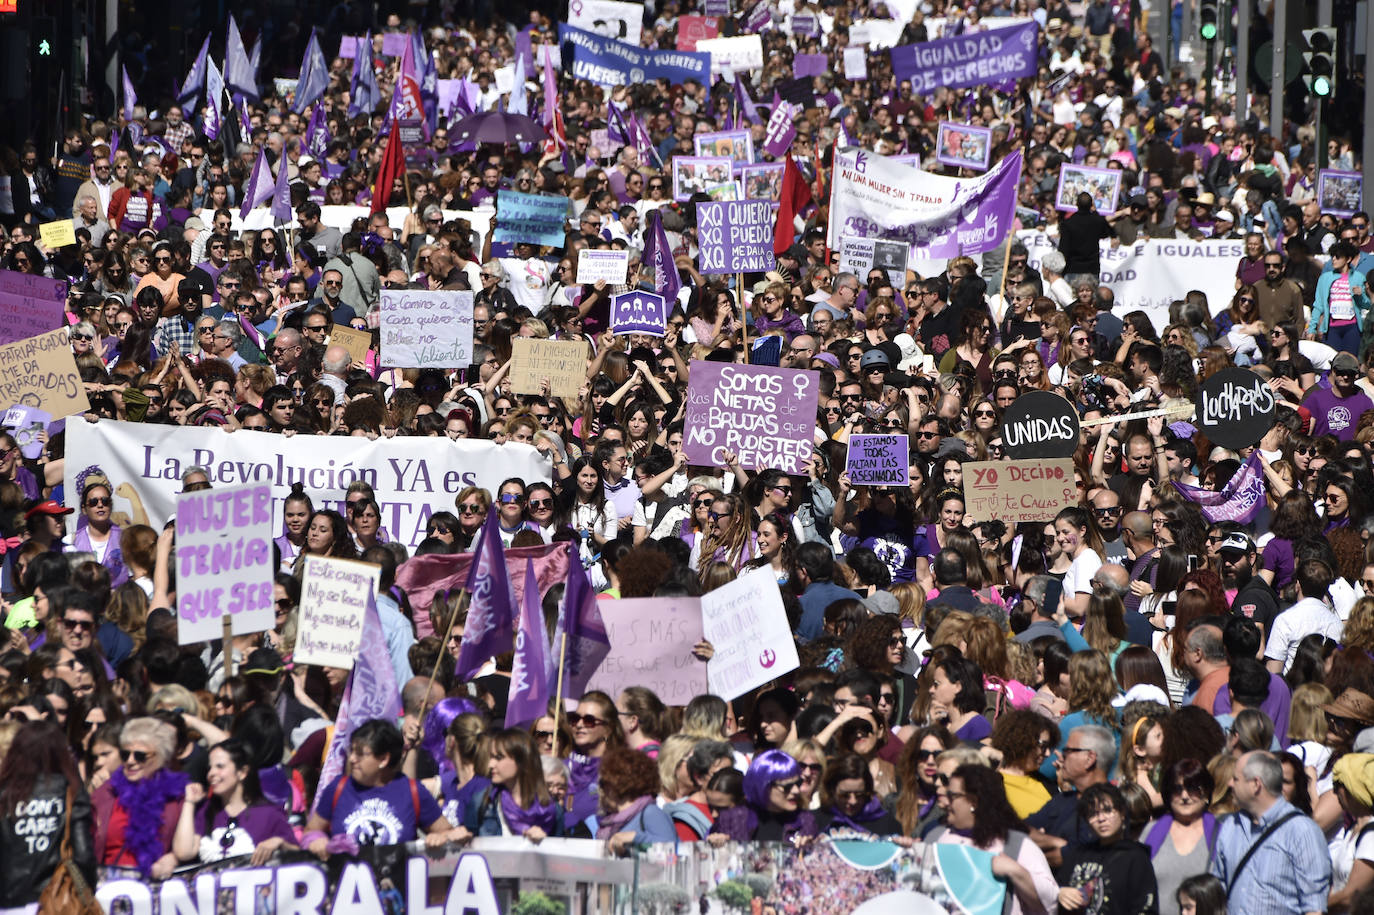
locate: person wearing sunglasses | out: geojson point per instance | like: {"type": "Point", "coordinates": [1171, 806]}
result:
{"type": "Point", "coordinates": [772, 803]}
{"type": "Point", "coordinates": [595, 729]}
{"type": "Point", "coordinates": [143, 791]}
{"type": "Point", "coordinates": [100, 535]}
{"type": "Point", "coordinates": [235, 819]}
{"type": "Point", "coordinates": [850, 802]}
{"type": "Point", "coordinates": [472, 504]}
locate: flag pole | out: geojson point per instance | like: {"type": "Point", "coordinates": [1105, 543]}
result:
{"type": "Point", "coordinates": [743, 314]}
{"type": "Point", "coordinates": [438, 659]}
{"type": "Point", "coordinates": [558, 693]}
{"type": "Point", "coordinates": [227, 633]}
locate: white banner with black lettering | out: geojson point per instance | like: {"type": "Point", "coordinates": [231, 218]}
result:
{"type": "Point", "coordinates": [413, 477]}
{"type": "Point", "coordinates": [1153, 273]}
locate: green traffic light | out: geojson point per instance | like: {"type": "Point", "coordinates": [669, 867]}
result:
{"type": "Point", "coordinates": [44, 49]}
{"type": "Point", "coordinates": [1321, 86]}
{"type": "Point", "coordinates": [1209, 31]}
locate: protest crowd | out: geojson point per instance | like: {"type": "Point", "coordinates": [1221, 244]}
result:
{"type": "Point", "coordinates": [680, 393]}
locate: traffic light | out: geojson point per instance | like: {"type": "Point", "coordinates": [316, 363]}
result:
{"type": "Point", "coordinates": [1208, 19]}
{"type": "Point", "coordinates": [1320, 61]}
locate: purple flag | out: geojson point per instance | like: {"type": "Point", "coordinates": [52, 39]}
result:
{"type": "Point", "coordinates": [260, 185]}
{"type": "Point", "coordinates": [317, 137]}
{"type": "Point", "coordinates": [782, 129]}
{"type": "Point", "coordinates": [371, 692]}
{"type": "Point", "coordinates": [130, 97]}
{"type": "Point", "coordinates": [239, 73]}
{"type": "Point", "coordinates": [428, 74]}
{"type": "Point", "coordinates": [195, 80]}
{"type": "Point", "coordinates": [281, 192]}
{"type": "Point", "coordinates": [580, 636]}
{"type": "Point", "coordinates": [314, 78]}
{"type": "Point", "coordinates": [1239, 500]}
{"type": "Point", "coordinates": [491, 616]}
{"type": "Point", "coordinates": [748, 108]}
{"type": "Point", "coordinates": [659, 257]}
{"type": "Point", "coordinates": [529, 685]}
{"type": "Point", "coordinates": [363, 94]}
{"type": "Point", "coordinates": [519, 96]}
{"type": "Point", "coordinates": [214, 100]}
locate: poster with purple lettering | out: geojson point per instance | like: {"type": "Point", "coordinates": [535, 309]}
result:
{"type": "Point", "coordinates": [765, 416]}
{"type": "Point", "coordinates": [30, 305]}
{"type": "Point", "coordinates": [878, 460]}
{"type": "Point", "coordinates": [638, 312]}
{"type": "Point", "coordinates": [746, 624]}
{"type": "Point", "coordinates": [224, 562]}
{"type": "Point", "coordinates": [735, 236]}
{"type": "Point", "coordinates": [651, 645]}
{"type": "Point", "coordinates": [333, 604]}
{"type": "Point", "coordinates": [426, 328]}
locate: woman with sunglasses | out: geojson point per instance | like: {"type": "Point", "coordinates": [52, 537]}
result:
{"type": "Point", "coordinates": [96, 531]}
{"type": "Point", "coordinates": [472, 504]}
{"type": "Point", "coordinates": [137, 809]}
{"type": "Point", "coordinates": [1180, 841]}
{"type": "Point", "coordinates": [162, 278]}
{"type": "Point", "coordinates": [1240, 324]}
{"type": "Point", "coordinates": [1294, 373]}
{"type": "Point", "coordinates": [595, 729]}
{"type": "Point", "coordinates": [918, 775]}
{"type": "Point", "coordinates": [772, 809]}
{"type": "Point", "coordinates": [974, 347]}
{"type": "Point", "coordinates": [235, 819]}
{"type": "Point", "coordinates": [850, 802]}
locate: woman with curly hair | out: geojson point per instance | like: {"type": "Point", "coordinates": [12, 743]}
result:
{"type": "Point", "coordinates": [773, 540]}
{"type": "Point", "coordinates": [730, 538]}
{"type": "Point", "coordinates": [1025, 739]}
{"type": "Point", "coordinates": [629, 783]}
{"type": "Point", "coordinates": [1091, 691]}
{"type": "Point", "coordinates": [326, 534]}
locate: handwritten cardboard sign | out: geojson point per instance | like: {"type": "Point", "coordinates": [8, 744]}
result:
{"type": "Point", "coordinates": [609, 265]}
{"type": "Point", "coordinates": [1011, 491]}
{"type": "Point", "coordinates": [357, 342]}
{"type": "Point", "coordinates": [746, 623]}
{"type": "Point", "coordinates": [562, 362]}
{"type": "Point", "coordinates": [59, 234]}
{"type": "Point", "coordinates": [878, 460]}
{"type": "Point", "coordinates": [651, 645]}
{"type": "Point", "coordinates": [639, 312]}
{"type": "Point", "coordinates": [765, 415]}
{"type": "Point", "coordinates": [424, 328]}
{"type": "Point", "coordinates": [333, 603]}
{"type": "Point", "coordinates": [224, 562]}
{"type": "Point", "coordinates": [41, 372]}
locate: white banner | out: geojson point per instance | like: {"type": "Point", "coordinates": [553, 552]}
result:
{"type": "Point", "coordinates": [1153, 273]}
{"type": "Point", "coordinates": [733, 55]}
{"type": "Point", "coordinates": [608, 18]}
{"type": "Point", "coordinates": [873, 196]}
{"type": "Point", "coordinates": [413, 477]}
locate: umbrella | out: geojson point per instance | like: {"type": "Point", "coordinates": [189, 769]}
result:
{"type": "Point", "coordinates": [499, 127]}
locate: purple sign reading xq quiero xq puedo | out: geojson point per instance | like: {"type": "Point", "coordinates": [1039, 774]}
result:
{"type": "Point", "coordinates": [765, 416]}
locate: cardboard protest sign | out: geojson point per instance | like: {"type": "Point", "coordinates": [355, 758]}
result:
{"type": "Point", "coordinates": [639, 312]}
{"type": "Point", "coordinates": [651, 645]}
{"type": "Point", "coordinates": [878, 460]}
{"type": "Point", "coordinates": [609, 265]}
{"type": "Point", "coordinates": [765, 415]}
{"type": "Point", "coordinates": [333, 603]}
{"type": "Point", "coordinates": [735, 236]}
{"type": "Point", "coordinates": [1039, 424]}
{"type": "Point", "coordinates": [746, 624]}
{"type": "Point", "coordinates": [856, 63]}
{"type": "Point", "coordinates": [54, 235]}
{"type": "Point", "coordinates": [533, 218]}
{"type": "Point", "coordinates": [41, 372]}
{"type": "Point", "coordinates": [1011, 491]}
{"type": "Point", "coordinates": [424, 328]}
{"type": "Point", "coordinates": [30, 305]}
{"type": "Point", "coordinates": [224, 563]}
{"type": "Point", "coordinates": [357, 342]}
{"type": "Point", "coordinates": [1235, 408]}
{"type": "Point", "coordinates": [562, 362]}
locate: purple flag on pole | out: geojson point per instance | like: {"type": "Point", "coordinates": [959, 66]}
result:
{"type": "Point", "coordinates": [747, 106]}
{"type": "Point", "coordinates": [1239, 500]}
{"type": "Point", "coordinates": [239, 74]}
{"type": "Point", "coordinates": [281, 193]}
{"type": "Point", "coordinates": [314, 78]}
{"type": "Point", "coordinates": [782, 129]}
{"type": "Point", "coordinates": [580, 636]}
{"type": "Point", "coordinates": [214, 100]}
{"type": "Point", "coordinates": [259, 187]}
{"type": "Point", "coordinates": [550, 96]}
{"type": "Point", "coordinates": [491, 616]}
{"type": "Point", "coordinates": [130, 97]}
{"type": "Point", "coordinates": [371, 692]}
{"type": "Point", "coordinates": [659, 256]}
{"type": "Point", "coordinates": [529, 685]}
{"type": "Point", "coordinates": [363, 94]}
{"type": "Point", "coordinates": [519, 96]}
{"type": "Point", "coordinates": [428, 75]}
{"type": "Point", "coordinates": [317, 136]}
{"type": "Point", "coordinates": [195, 80]}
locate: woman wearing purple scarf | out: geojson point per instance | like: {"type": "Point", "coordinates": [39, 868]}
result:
{"type": "Point", "coordinates": [136, 811]}
{"type": "Point", "coordinates": [629, 785]}
{"type": "Point", "coordinates": [96, 531]}
{"type": "Point", "coordinates": [595, 729]}
{"type": "Point", "coordinates": [850, 802]}
{"type": "Point", "coordinates": [772, 794]}
{"type": "Point", "coordinates": [518, 801]}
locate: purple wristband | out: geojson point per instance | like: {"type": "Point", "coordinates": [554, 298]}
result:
{"type": "Point", "coordinates": [310, 837]}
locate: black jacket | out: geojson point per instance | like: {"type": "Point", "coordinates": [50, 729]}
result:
{"type": "Point", "coordinates": [31, 843]}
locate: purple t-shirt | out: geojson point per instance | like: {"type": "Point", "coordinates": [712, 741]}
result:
{"type": "Point", "coordinates": [1337, 415]}
{"type": "Point", "coordinates": [976, 729]}
{"type": "Point", "coordinates": [1278, 558]}
{"type": "Point", "coordinates": [255, 825]}
{"type": "Point", "coordinates": [384, 815]}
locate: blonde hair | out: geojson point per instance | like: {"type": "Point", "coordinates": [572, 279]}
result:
{"type": "Point", "coordinates": [963, 756]}
{"type": "Point", "coordinates": [911, 601]}
{"type": "Point", "coordinates": [1306, 718]}
{"type": "Point", "coordinates": [1091, 687]}
{"type": "Point", "coordinates": [953, 629]}
{"type": "Point", "coordinates": [674, 749]}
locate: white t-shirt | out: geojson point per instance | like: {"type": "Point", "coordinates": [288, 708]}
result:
{"type": "Point", "coordinates": [1079, 578]}
{"type": "Point", "coordinates": [1350, 845]}
{"type": "Point", "coordinates": [1307, 616]}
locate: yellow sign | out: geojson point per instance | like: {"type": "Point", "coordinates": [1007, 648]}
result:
{"type": "Point", "coordinates": [58, 234]}
{"type": "Point", "coordinates": [356, 342]}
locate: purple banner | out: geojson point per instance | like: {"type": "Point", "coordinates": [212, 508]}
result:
{"type": "Point", "coordinates": [969, 60]}
{"type": "Point", "coordinates": [781, 129]}
{"type": "Point", "coordinates": [810, 65]}
{"type": "Point", "coordinates": [1239, 500]}
{"type": "Point", "coordinates": [878, 460]}
{"type": "Point", "coordinates": [765, 416]}
{"type": "Point", "coordinates": [806, 24]}
{"type": "Point", "coordinates": [735, 236]}
{"type": "Point", "coordinates": [639, 312]}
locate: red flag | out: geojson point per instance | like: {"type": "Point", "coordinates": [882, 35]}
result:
{"type": "Point", "coordinates": [393, 164]}
{"type": "Point", "coordinates": [795, 196]}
